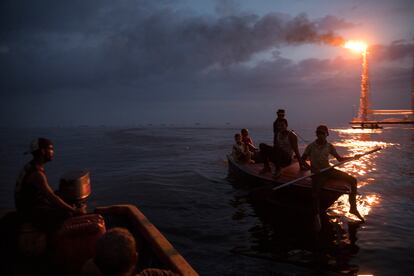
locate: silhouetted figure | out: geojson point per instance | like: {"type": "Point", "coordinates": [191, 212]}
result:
{"type": "Point", "coordinates": [280, 117]}
{"type": "Point", "coordinates": [286, 143]}
{"type": "Point", "coordinates": [318, 152]}
{"type": "Point", "coordinates": [34, 199]}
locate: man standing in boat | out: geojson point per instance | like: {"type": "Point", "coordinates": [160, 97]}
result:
{"type": "Point", "coordinates": [34, 199]}
{"type": "Point", "coordinates": [318, 152]}
{"type": "Point", "coordinates": [286, 143]}
{"type": "Point", "coordinates": [280, 117]}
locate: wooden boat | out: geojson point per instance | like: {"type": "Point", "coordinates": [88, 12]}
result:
{"type": "Point", "coordinates": [73, 249]}
{"type": "Point", "coordinates": [296, 197]}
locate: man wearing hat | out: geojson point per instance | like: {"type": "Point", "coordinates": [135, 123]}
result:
{"type": "Point", "coordinates": [34, 199]}
{"type": "Point", "coordinates": [318, 152]}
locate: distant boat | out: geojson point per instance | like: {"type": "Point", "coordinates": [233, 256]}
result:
{"type": "Point", "coordinates": [367, 126]}
{"type": "Point", "coordinates": [296, 197]}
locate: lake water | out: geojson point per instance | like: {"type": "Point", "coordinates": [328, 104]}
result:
{"type": "Point", "coordinates": [178, 178]}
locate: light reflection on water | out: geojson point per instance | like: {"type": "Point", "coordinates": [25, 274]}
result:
{"type": "Point", "coordinates": [336, 243]}
{"type": "Point", "coordinates": [358, 141]}
{"type": "Point", "coordinates": [364, 203]}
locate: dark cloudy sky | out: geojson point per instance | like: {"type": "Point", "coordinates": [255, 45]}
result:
{"type": "Point", "coordinates": [130, 62]}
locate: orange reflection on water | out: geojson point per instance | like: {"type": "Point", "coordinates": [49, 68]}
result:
{"type": "Point", "coordinates": [358, 141]}
{"type": "Point", "coordinates": [356, 131]}
{"type": "Point", "coordinates": [364, 203]}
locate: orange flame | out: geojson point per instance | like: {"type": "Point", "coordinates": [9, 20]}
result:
{"type": "Point", "coordinates": [356, 46]}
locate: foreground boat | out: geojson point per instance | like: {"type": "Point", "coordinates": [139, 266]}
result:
{"type": "Point", "coordinates": [73, 245]}
{"type": "Point", "coordinates": [296, 197]}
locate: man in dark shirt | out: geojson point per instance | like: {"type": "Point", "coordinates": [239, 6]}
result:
{"type": "Point", "coordinates": [34, 199]}
{"type": "Point", "coordinates": [280, 117]}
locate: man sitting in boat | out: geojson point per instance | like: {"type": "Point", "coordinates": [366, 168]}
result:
{"type": "Point", "coordinates": [318, 152]}
{"type": "Point", "coordinates": [281, 153]}
{"type": "Point", "coordinates": [116, 255]}
{"type": "Point", "coordinates": [240, 151]}
{"type": "Point", "coordinates": [34, 199]}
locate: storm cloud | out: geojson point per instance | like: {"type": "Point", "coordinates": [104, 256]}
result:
{"type": "Point", "coordinates": [146, 52]}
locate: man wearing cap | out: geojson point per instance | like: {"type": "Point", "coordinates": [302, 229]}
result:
{"type": "Point", "coordinates": [280, 117]}
{"type": "Point", "coordinates": [34, 199]}
{"type": "Point", "coordinates": [318, 152]}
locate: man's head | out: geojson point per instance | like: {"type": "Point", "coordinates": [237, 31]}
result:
{"type": "Point", "coordinates": [322, 132]}
{"type": "Point", "coordinates": [280, 113]}
{"type": "Point", "coordinates": [116, 252]}
{"type": "Point", "coordinates": [244, 132]}
{"type": "Point", "coordinates": [42, 148]}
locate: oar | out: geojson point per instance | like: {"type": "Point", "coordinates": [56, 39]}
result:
{"type": "Point", "coordinates": [303, 140]}
{"type": "Point", "coordinates": [325, 169]}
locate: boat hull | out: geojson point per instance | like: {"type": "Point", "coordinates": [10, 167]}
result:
{"type": "Point", "coordinates": [296, 197]}
{"type": "Point", "coordinates": [155, 251]}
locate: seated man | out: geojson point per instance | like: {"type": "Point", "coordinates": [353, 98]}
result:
{"type": "Point", "coordinates": [116, 255]}
{"type": "Point", "coordinates": [281, 153]}
{"type": "Point", "coordinates": [34, 199]}
{"type": "Point", "coordinates": [240, 151]}
{"type": "Point", "coordinates": [318, 152]}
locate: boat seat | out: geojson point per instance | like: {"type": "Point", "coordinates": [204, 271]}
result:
{"type": "Point", "coordinates": [75, 241]}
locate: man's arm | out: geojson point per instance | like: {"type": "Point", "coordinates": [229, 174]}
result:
{"type": "Point", "coordinates": [251, 145]}
{"type": "Point", "coordinates": [41, 182]}
{"type": "Point", "coordinates": [336, 154]}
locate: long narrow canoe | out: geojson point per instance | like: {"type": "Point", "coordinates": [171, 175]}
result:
{"type": "Point", "coordinates": [296, 197]}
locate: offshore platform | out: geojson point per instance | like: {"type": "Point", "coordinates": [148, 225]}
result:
{"type": "Point", "coordinates": [365, 113]}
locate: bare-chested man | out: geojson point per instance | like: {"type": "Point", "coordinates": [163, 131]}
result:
{"type": "Point", "coordinates": [34, 198]}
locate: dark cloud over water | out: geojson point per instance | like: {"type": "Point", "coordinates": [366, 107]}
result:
{"type": "Point", "coordinates": [134, 61]}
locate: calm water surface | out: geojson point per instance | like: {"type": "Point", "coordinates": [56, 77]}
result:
{"type": "Point", "coordinates": [178, 177]}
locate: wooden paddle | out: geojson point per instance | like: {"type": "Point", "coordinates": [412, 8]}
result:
{"type": "Point", "coordinates": [325, 169]}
